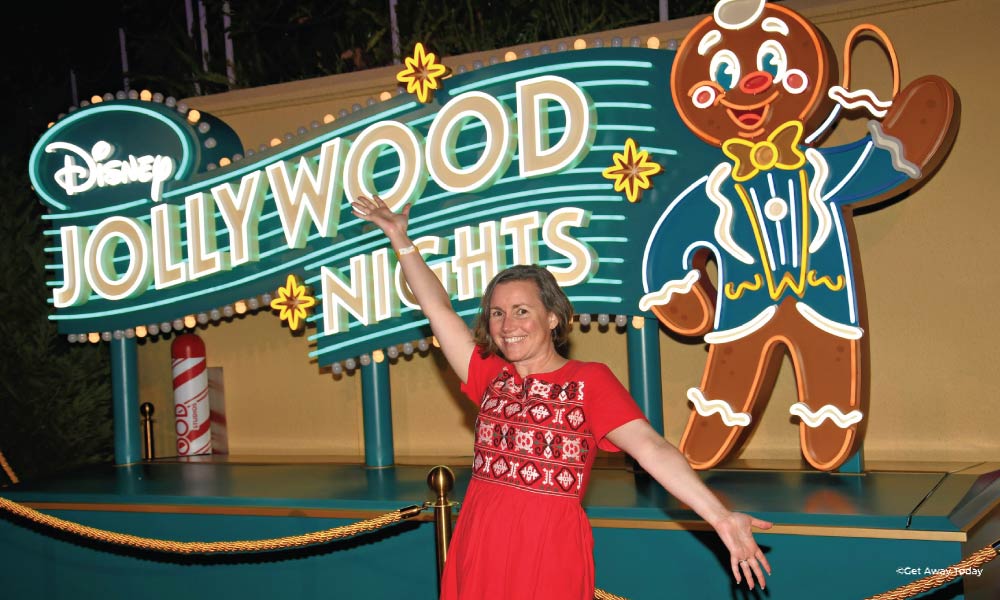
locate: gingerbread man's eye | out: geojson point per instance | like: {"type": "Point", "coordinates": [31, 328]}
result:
{"type": "Point", "coordinates": [725, 69]}
{"type": "Point", "coordinates": [771, 58]}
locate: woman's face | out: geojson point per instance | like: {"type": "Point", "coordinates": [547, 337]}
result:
{"type": "Point", "coordinates": [520, 325]}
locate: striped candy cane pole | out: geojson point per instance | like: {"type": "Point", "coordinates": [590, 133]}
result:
{"type": "Point", "coordinates": [191, 407]}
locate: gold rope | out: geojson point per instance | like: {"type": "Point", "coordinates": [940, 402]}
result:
{"type": "Point", "coordinates": [293, 541]}
{"type": "Point", "coordinates": [7, 469]}
{"type": "Point", "coordinates": [600, 594]}
{"type": "Point", "coordinates": [930, 582]}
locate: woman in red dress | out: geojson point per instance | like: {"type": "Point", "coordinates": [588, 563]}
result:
{"type": "Point", "coordinates": [522, 532]}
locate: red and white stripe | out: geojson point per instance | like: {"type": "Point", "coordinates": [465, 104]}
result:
{"type": "Point", "coordinates": [191, 407]}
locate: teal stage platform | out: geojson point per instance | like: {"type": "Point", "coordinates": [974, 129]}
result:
{"type": "Point", "coordinates": [837, 536]}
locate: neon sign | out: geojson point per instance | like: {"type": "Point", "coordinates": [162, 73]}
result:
{"type": "Point", "coordinates": [504, 167]}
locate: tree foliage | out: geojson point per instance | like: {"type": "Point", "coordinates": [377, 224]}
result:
{"type": "Point", "coordinates": [55, 397]}
{"type": "Point", "coordinates": [275, 42]}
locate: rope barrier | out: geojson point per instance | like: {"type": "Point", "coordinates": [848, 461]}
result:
{"type": "Point", "coordinates": [245, 546]}
{"type": "Point", "coordinates": [978, 558]}
{"type": "Point", "coordinates": [11, 475]}
{"type": "Point", "coordinates": [600, 594]}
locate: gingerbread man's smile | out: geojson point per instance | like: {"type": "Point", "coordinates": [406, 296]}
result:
{"type": "Point", "coordinates": [749, 118]}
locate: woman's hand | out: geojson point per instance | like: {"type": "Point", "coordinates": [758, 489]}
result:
{"type": "Point", "coordinates": [375, 211]}
{"type": "Point", "coordinates": [745, 557]}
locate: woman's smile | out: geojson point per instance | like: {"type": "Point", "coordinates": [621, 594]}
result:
{"type": "Point", "coordinates": [521, 327]}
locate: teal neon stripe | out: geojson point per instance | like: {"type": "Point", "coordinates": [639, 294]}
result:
{"type": "Point", "coordinates": [615, 82]}
{"type": "Point", "coordinates": [650, 149]}
{"type": "Point", "coordinates": [353, 251]}
{"type": "Point", "coordinates": [607, 217]}
{"type": "Point", "coordinates": [642, 128]}
{"type": "Point", "coordinates": [635, 105]}
{"type": "Point", "coordinates": [98, 211]}
{"type": "Point", "coordinates": [608, 239]}
{"type": "Point", "coordinates": [611, 260]}
{"type": "Point", "coordinates": [569, 66]}
{"type": "Point", "coordinates": [599, 281]}
{"type": "Point", "coordinates": [609, 299]}
{"type": "Point", "coordinates": [363, 338]}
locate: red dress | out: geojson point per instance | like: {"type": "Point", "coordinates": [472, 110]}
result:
{"type": "Point", "coordinates": [521, 531]}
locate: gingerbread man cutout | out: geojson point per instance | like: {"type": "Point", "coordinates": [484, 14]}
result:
{"type": "Point", "coordinates": [776, 217]}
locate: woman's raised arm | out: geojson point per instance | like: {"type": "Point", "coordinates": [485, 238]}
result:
{"type": "Point", "coordinates": [450, 330]}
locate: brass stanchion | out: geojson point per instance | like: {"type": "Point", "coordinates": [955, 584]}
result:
{"type": "Point", "coordinates": [146, 410]}
{"type": "Point", "coordinates": [441, 480]}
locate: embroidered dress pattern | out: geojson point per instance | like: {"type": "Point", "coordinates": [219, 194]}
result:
{"type": "Point", "coordinates": [533, 435]}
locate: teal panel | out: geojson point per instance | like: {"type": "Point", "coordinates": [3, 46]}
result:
{"type": "Point", "coordinates": [62, 568]}
{"type": "Point", "coordinates": [642, 564]}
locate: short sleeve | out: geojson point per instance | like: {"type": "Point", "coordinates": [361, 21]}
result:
{"type": "Point", "coordinates": [481, 372]}
{"type": "Point", "coordinates": [607, 404]}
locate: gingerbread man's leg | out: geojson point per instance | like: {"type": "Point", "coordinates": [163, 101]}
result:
{"type": "Point", "coordinates": [829, 372]}
{"type": "Point", "coordinates": [737, 375]}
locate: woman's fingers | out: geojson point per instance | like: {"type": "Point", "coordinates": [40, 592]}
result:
{"type": "Point", "coordinates": [763, 561]}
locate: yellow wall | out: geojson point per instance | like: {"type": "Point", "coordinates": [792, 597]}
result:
{"type": "Point", "coordinates": [927, 265]}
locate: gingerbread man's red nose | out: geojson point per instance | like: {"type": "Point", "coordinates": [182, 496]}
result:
{"type": "Point", "coordinates": [756, 82]}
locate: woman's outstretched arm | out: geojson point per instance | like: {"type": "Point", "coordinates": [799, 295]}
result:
{"type": "Point", "coordinates": [669, 467]}
{"type": "Point", "coordinates": [450, 330]}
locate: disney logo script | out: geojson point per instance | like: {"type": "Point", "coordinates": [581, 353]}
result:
{"type": "Point", "coordinates": [97, 171]}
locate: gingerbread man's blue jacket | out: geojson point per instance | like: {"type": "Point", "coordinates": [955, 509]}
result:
{"type": "Point", "coordinates": [778, 233]}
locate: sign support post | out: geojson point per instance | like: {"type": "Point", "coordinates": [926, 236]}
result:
{"type": "Point", "coordinates": [125, 396]}
{"type": "Point", "coordinates": [644, 370]}
{"type": "Point", "coordinates": [377, 414]}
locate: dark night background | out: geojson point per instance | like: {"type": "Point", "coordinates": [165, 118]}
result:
{"type": "Point", "coordinates": [55, 397]}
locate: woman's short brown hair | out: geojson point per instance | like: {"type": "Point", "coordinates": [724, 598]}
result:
{"type": "Point", "coordinates": [553, 299]}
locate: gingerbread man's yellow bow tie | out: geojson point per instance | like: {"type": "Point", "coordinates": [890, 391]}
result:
{"type": "Point", "coordinates": [780, 150]}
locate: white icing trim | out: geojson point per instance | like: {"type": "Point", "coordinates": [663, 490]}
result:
{"type": "Point", "coordinates": [840, 330]}
{"type": "Point", "coordinates": [859, 99]}
{"type": "Point", "coordinates": [710, 39]}
{"type": "Point", "coordinates": [707, 408]}
{"type": "Point", "coordinates": [729, 335]}
{"type": "Point", "coordinates": [775, 25]}
{"type": "Point", "coordinates": [662, 296]}
{"type": "Point", "coordinates": [823, 221]}
{"type": "Point", "coordinates": [724, 224]}
{"type": "Point", "coordinates": [829, 411]}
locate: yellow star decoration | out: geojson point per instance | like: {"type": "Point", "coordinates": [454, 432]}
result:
{"type": "Point", "coordinates": [292, 301]}
{"type": "Point", "coordinates": [631, 171]}
{"type": "Point", "coordinates": [422, 74]}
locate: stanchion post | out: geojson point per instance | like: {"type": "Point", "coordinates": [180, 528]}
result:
{"type": "Point", "coordinates": [441, 480]}
{"type": "Point", "coordinates": [146, 409]}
